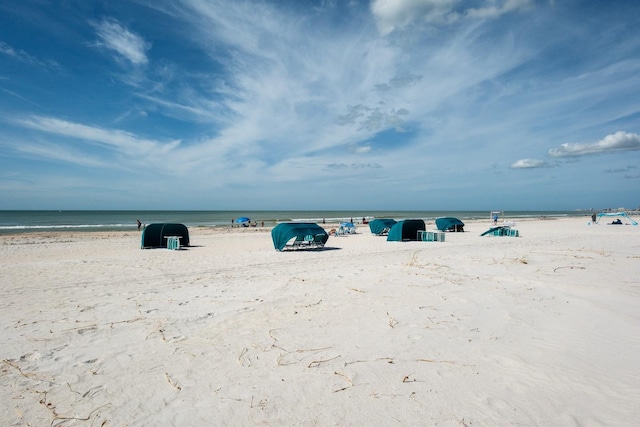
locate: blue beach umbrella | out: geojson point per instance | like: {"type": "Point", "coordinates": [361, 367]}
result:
{"type": "Point", "coordinates": [242, 219]}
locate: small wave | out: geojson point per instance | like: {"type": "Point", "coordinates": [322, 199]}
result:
{"type": "Point", "coordinates": [63, 227]}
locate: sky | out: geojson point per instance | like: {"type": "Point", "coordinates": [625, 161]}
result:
{"type": "Point", "coordinates": [319, 104]}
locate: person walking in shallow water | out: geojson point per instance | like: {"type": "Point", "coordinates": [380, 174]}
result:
{"type": "Point", "coordinates": [139, 224]}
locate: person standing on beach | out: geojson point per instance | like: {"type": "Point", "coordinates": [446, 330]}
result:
{"type": "Point", "coordinates": [139, 224]}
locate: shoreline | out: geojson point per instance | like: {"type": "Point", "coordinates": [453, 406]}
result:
{"type": "Point", "coordinates": [228, 228]}
{"type": "Point", "coordinates": [16, 222]}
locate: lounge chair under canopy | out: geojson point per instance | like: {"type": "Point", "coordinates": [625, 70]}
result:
{"type": "Point", "coordinates": [298, 235]}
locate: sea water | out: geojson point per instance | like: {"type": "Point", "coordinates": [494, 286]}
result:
{"type": "Point", "coordinates": [18, 221]}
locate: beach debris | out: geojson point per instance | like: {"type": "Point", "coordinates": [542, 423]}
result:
{"type": "Point", "coordinates": [172, 382]}
{"type": "Point", "coordinates": [444, 361]}
{"type": "Point", "coordinates": [312, 304]}
{"type": "Point", "coordinates": [242, 359]}
{"type": "Point", "coordinates": [346, 378]}
{"type": "Point", "coordinates": [389, 360]}
{"type": "Point", "coordinates": [57, 417]}
{"type": "Point", "coordinates": [318, 363]}
{"type": "Point", "coordinates": [568, 266]}
{"type": "Point", "coordinates": [30, 376]}
{"type": "Point", "coordinates": [262, 404]}
{"type": "Point", "coordinates": [392, 322]}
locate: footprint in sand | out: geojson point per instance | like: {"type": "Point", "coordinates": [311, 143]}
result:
{"type": "Point", "coordinates": [34, 355]}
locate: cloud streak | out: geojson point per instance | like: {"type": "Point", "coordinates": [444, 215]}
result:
{"type": "Point", "coordinates": [393, 15]}
{"type": "Point", "coordinates": [529, 164]}
{"type": "Point", "coordinates": [126, 44]}
{"type": "Point", "coordinates": [122, 141]}
{"type": "Point", "coordinates": [24, 57]}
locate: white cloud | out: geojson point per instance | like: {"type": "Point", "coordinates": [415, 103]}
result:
{"type": "Point", "coordinates": [394, 14]}
{"type": "Point", "coordinates": [125, 43]}
{"type": "Point", "coordinates": [397, 14]}
{"type": "Point", "coordinates": [56, 152]}
{"type": "Point", "coordinates": [529, 164]}
{"type": "Point", "coordinates": [123, 141]}
{"type": "Point", "coordinates": [495, 9]}
{"type": "Point", "coordinates": [619, 141]}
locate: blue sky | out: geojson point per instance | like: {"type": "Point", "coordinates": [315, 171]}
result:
{"type": "Point", "coordinates": [379, 104]}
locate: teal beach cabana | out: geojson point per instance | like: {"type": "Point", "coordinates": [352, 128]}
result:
{"type": "Point", "coordinates": [298, 235]}
{"type": "Point", "coordinates": [381, 226]}
{"type": "Point", "coordinates": [449, 224]}
{"type": "Point", "coordinates": [405, 230]}
{"type": "Point", "coordinates": [155, 235]}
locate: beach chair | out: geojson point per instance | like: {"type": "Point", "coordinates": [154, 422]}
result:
{"type": "Point", "coordinates": [294, 243]}
{"type": "Point", "coordinates": [308, 240]}
{"type": "Point", "coordinates": [502, 231]}
{"type": "Point", "coordinates": [318, 241]}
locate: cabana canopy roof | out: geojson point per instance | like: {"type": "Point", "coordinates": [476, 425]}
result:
{"type": "Point", "coordinates": [449, 224]}
{"type": "Point", "coordinates": [155, 235]}
{"type": "Point", "coordinates": [405, 230]}
{"type": "Point", "coordinates": [282, 233]}
{"type": "Point", "coordinates": [381, 226]}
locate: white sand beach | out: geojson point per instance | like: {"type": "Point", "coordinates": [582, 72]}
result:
{"type": "Point", "coordinates": [538, 330]}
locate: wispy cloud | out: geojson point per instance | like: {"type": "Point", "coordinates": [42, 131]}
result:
{"type": "Point", "coordinates": [530, 164]}
{"type": "Point", "coordinates": [628, 172]}
{"type": "Point", "coordinates": [22, 98]}
{"type": "Point", "coordinates": [617, 142]}
{"type": "Point", "coordinates": [399, 14]}
{"type": "Point", "coordinates": [353, 166]}
{"type": "Point", "coordinates": [621, 170]}
{"type": "Point", "coordinates": [22, 56]}
{"type": "Point", "coordinates": [495, 9]}
{"type": "Point", "coordinates": [372, 119]}
{"type": "Point", "coordinates": [126, 44]}
{"type": "Point", "coordinates": [49, 151]}
{"type": "Point", "coordinates": [120, 140]}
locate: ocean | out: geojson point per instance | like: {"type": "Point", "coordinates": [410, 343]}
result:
{"type": "Point", "coordinates": [24, 221]}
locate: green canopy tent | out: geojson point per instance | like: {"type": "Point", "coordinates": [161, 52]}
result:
{"type": "Point", "coordinates": [155, 235]}
{"type": "Point", "coordinates": [405, 230]}
{"type": "Point", "coordinates": [449, 224]}
{"type": "Point", "coordinates": [303, 234]}
{"type": "Point", "coordinates": [381, 226]}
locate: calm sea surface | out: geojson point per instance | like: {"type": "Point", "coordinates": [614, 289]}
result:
{"type": "Point", "coordinates": [31, 221]}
